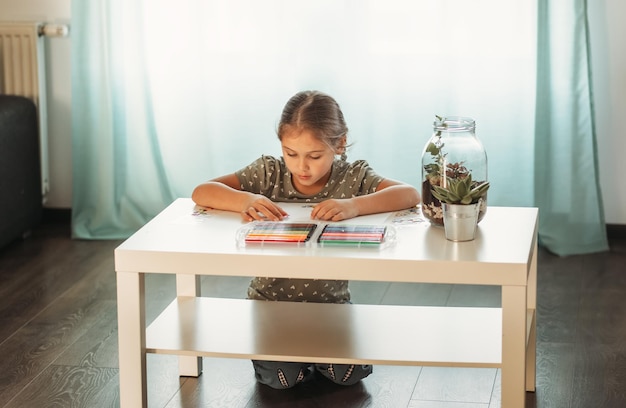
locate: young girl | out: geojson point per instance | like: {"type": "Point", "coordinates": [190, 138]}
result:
{"type": "Point", "coordinates": [312, 132]}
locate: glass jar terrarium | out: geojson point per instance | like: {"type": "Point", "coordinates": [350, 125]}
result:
{"type": "Point", "coordinates": [453, 152]}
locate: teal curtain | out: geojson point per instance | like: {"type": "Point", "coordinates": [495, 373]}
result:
{"type": "Point", "coordinates": [119, 180]}
{"type": "Point", "coordinates": [168, 95]}
{"type": "Point", "coordinates": [567, 189]}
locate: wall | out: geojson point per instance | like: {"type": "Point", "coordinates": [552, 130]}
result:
{"type": "Point", "coordinates": [608, 36]}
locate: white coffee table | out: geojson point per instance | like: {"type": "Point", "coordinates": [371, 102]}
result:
{"type": "Point", "coordinates": [179, 241]}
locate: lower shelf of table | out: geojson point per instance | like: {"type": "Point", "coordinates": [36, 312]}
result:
{"type": "Point", "coordinates": [314, 332]}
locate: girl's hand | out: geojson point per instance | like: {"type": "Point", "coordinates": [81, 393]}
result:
{"type": "Point", "coordinates": [261, 208]}
{"type": "Point", "coordinates": [335, 210]}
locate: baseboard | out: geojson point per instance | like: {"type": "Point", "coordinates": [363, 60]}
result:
{"type": "Point", "coordinates": [616, 231]}
{"type": "Point", "coordinates": [56, 216]}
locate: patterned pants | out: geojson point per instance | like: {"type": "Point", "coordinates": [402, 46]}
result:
{"type": "Point", "coordinates": [279, 375]}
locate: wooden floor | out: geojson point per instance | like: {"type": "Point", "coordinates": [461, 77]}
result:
{"type": "Point", "coordinates": [58, 337]}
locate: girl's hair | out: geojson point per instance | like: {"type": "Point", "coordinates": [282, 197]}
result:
{"type": "Point", "coordinates": [318, 113]}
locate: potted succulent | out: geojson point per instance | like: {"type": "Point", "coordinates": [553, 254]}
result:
{"type": "Point", "coordinates": [461, 191]}
{"type": "Point", "coordinates": [460, 199]}
{"type": "Point", "coordinates": [452, 153]}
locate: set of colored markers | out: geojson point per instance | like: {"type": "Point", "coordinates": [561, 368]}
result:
{"type": "Point", "coordinates": [332, 234]}
{"type": "Point", "coordinates": [335, 234]}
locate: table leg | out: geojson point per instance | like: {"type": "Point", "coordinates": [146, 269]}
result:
{"type": "Point", "coordinates": [531, 348]}
{"type": "Point", "coordinates": [531, 357]}
{"type": "Point", "coordinates": [131, 322]}
{"type": "Point", "coordinates": [513, 346]}
{"type": "Point", "coordinates": [188, 285]}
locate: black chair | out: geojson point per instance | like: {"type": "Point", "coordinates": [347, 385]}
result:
{"type": "Point", "coordinates": [20, 176]}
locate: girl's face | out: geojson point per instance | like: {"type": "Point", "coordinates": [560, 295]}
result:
{"type": "Point", "coordinates": [308, 159]}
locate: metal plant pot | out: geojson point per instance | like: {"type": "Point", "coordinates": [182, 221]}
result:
{"type": "Point", "coordinates": [459, 221]}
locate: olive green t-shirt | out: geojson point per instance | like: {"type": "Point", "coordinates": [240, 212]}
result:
{"type": "Point", "coordinates": [270, 177]}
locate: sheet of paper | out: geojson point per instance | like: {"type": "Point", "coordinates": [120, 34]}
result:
{"type": "Point", "coordinates": [302, 212]}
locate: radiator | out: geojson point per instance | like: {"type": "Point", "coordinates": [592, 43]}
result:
{"type": "Point", "coordinates": [22, 73]}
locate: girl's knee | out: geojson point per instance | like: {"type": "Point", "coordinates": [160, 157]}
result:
{"type": "Point", "coordinates": [344, 374]}
{"type": "Point", "coordinates": [280, 375]}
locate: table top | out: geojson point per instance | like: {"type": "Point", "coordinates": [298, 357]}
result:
{"type": "Point", "coordinates": [186, 239]}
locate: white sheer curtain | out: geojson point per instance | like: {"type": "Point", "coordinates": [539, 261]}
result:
{"type": "Point", "coordinates": [220, 72]}
{"type": "Point", "coordinates": [167, 95]}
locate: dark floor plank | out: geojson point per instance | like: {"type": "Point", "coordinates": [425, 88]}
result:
{"type": "Point", "coordinates": [391, 386]}
{"type": "Point", "coordinates": [66, 386]}
{"type": "Point", "coordinates": [557, 316]}
{"type": "Point", "coordinates": [107, 396]}
{"type": "Point", "coordinates": [602, 318]}
{"type": "Point", "coordinates": [98, 346]}
{"type": "Point", "coordinates": [555, 367]}
{"type": "Point", "coordinates": [35, 346]}
{"type": "Point", "coordinates": [605, 271]}
{"type": "Point", "coordinates": [454, 385]}
{"type": "Point", "coordinates": [223, 383]}
{"type": "Point", "coordinates": [164, 383]}
{"type": "Point", "coordinates": [599, 376]}
{"type": "Point", "coordinates": [56, 265]}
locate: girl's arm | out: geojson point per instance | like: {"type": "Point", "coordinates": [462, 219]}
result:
{"type": "Point", "coordinates": [224, 193]}
{"type": "Point", "coordinates": [390, 195]}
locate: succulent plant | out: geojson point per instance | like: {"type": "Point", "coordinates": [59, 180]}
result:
{"type": "Point", "coordinates": [460, 191]}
